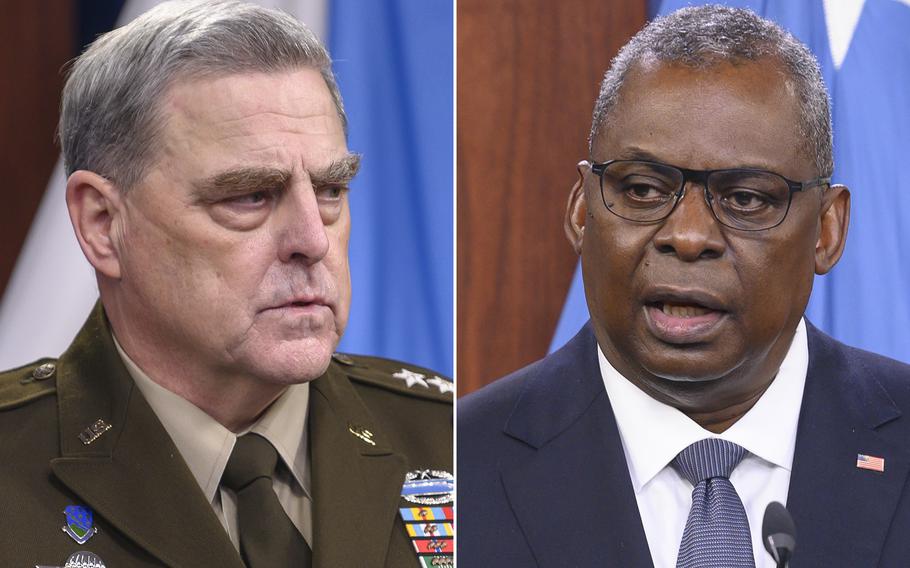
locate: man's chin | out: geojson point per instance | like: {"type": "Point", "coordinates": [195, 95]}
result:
{"type": "Point", "coordinates": [693, 377]}
{"type": "Point", "coordinates": [295, 361]}
{"type": "Point", "coordinates": [689, 378]}
{"type": "Point", "coordinates": [688, 368]}
{"type": "Point", "coordinates": [703, 362]}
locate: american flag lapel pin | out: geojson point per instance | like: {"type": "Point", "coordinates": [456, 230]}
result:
{"type": "Point", "coordinates": [873, 463]}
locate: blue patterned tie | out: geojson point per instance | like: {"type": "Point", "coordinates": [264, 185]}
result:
{"type": "Point", "coordinates": [717, 531]}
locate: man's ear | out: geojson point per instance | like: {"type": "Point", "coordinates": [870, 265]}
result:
{"type": "Point", "coordinates": [835, 217]}
{"type": "Point", "coordinates": [94, 203]}
{"type": "Point", "coordinates": [577, 210]}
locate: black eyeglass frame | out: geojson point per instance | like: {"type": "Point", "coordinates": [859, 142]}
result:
{"type": "Point", "coordinates": [701, 177]}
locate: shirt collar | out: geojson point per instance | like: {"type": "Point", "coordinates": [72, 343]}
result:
{"type": "Point", "coordinates": [653, 433]}
{"type": "Point", "coordinates": [284, 424]}
{"type": "Point", "coordinates": [206, 445]}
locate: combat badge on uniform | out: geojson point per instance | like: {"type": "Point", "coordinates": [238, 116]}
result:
{"type": "Point", "coordinates": [430, 527]}
{"type": "Point", "coordinates": [81, 559]}
{"type": "Point", "coordinates": [79, 523]}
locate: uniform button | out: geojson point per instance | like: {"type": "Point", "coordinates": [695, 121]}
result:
{"type": "Point", "coordinates": [43, 372]}
{"type": "Point", "coordinates": [343, 359]}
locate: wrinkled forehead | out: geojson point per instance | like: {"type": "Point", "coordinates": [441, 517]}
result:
{"type": "Point", "coordinates": [272, 119]}
{"type": "Point", "coordinates": [225, 98]}
{"type": "Point", "coordinates": [213, 105]}
{"type": "Point", "coordinates": [721, 115]}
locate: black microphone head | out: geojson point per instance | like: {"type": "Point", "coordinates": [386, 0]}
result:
{"type": "Point", "coordinates": [778, 533]}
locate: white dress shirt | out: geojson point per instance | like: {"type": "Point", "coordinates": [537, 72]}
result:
{"type": "Point", "coordinates": [653, 434]}
{"type": "Point", "coordinates": [206, 445]}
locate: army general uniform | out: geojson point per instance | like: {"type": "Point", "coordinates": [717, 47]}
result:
{"type": "Point", "coordinates": [78, 432]}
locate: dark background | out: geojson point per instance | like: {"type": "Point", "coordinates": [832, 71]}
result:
{"type": "Point", "coordinates": [39, 38]}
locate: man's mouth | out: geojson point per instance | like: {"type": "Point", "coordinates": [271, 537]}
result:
{"type": "Point", "coordinates": [682, 310]}
{"type": "Point", "coordinates": [304, 304]}
{"type": "Point", "coordinates": [683, 321]}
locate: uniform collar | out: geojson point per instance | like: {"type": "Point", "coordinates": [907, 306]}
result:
{"type": "Point", "coordinates": [206, 445]}
{"type": "Point", "coordinates": [130, 472]}
{"type": "Point", "coordinates": [653, 433]}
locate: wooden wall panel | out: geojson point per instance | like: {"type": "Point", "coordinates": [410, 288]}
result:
{"type": "Point", "coordinates": [528, 75]}
{"type": "Point", "coordinates": [37, 42]}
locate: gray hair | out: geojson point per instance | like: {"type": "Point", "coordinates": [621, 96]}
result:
{"type": "Point", "coordinates": [110, 118]}
{"type": "Point", "coordinates": [704, 36]}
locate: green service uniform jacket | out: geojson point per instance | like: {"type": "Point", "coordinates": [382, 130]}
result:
{"type": "Point", "coordinates": [367, 430]}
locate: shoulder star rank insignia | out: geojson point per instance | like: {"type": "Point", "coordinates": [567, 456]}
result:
{"type": "Point", "coordinates": [443, 385]}
{"type": "Point", "coordinates": [411, 378]}
{"type": "Point", "coordinates": [430, 528]}
{"type": "Point", "coordinates": [79, 523]}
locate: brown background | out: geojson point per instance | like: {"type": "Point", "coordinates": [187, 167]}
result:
{"type": "Point", "coordinates": [528, 75]}
{"type": "Point", "coordinates": [37, 40]}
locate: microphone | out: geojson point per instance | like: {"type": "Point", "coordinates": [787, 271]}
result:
{"type": "Point", "coordinates": [778, 533]}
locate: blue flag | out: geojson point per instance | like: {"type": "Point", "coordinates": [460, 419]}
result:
{"type": "Point", "coordinates": [394, 65]}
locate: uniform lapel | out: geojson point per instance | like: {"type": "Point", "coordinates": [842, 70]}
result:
{"type": "Point", "coordinates": [842, 513]}
{"type": "Point", "coordinates": [356, 484]}
{"type": "Point", "coordinates": [132, 475]}
{"type": "Point", "coordinates": [573, 496]}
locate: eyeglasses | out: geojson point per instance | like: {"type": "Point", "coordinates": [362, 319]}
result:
{"type": "Point", "coordinates": [743, 199]}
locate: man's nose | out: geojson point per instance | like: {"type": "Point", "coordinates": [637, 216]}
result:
{"type": "Point", "coordinates": [300, 230]}
{"type": "Point", "coordinates": [691, 232]}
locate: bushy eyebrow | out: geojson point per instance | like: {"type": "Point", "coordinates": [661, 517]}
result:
{"type": "Point", "coordinates": [341, 171]}
{"type": "Point", "coordinates": [240, 181]}
{"type": "Point", "coordinates": [246, 180]}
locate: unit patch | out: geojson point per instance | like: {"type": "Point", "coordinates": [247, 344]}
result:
{"type": "Point", "coordinates": [79, 523]}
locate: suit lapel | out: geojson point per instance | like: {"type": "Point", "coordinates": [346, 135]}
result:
{"type": "Point", "coordinates": [132, 475]}
{"type": "Point", "coordinates": [842, 513]}
{"type": "Point", "coordinates": [572, 494]}
{"type": "Point", "coordinates": [356, 485]}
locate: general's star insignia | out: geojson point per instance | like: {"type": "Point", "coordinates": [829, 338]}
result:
{"type": "Point", "coordinates": [410, 377]}
{"type": "Point", "coordinates": [443, 385]}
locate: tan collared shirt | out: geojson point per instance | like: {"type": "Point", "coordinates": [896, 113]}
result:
{"type": "Point", "coordinates": [206, 445]}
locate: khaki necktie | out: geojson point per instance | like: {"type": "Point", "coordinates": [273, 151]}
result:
{"type": "Point", "coordinates": [268, 538]}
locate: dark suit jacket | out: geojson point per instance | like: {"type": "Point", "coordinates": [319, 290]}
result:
{"type": "Point", "coordinates": [543, 481]}
{"type": "Point", "coordinates": [148, 507]}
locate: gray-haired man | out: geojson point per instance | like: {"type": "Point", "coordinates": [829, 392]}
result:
{"type": "Point", "coordinates": [201, 417]}
{"type": "Point", "coordinates": [697, 394]}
